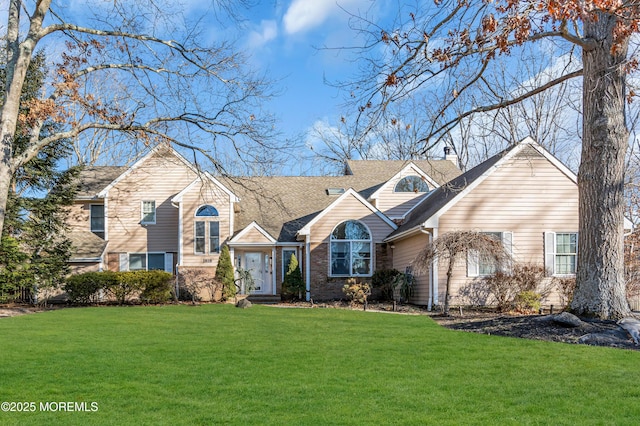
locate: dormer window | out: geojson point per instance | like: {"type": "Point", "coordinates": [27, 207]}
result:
{"type": "Point", "coordinates": [411, 183]}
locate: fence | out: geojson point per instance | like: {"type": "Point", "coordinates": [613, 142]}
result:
{"type": "Point", "coordinates": [19, 295]}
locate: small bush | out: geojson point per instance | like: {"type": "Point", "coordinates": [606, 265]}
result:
{"type": "Point", "coordinates": [356, 292]}
{"type": "Point", "coordinates": [85, 288]}
{"type": "Point", "coordinates": [385, 280]}
{"type": "Point", "coordinates": [527, 302]}
{"type": "Point", "coordinates": [523, 278]}
{"type": "Point", "coordinates": [157, 287]}
{"type": "Point", "coordinates": [403, 287]}
{"type": "Point", "coordinates": [566, 287]}
{"type": "Point", "coordinates": [126, 285]}
{"type": "Point", "coordinates": [225, 274]}
{"type": "Point", "coordinates": [150, 286]}
{"type": "Point", "coordinates": [293, 285]}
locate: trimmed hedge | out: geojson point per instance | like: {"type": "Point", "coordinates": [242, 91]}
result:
{"type": "Point", "coordinates": [149, 286]}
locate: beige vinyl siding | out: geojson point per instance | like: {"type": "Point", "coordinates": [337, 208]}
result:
{"type": "Point", "coordinates": [404, 253]}
{"type": "Point", "coordinates": [158, 179]}
{"type": "Point", "coordinates": [201, 194]}
{"type": "Point", "coordinates": [397, 204]}
{"type": "Point", "coordinates": [350, 208]}
{"type": "Point", "coordinates": [254, 236]}
{"type": "Point", "coordinates": [79, 215]}
{"type": "Point", "coordinates": [526, 197]}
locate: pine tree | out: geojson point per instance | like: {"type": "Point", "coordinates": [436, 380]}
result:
{"type": "Point", "coordinates": [33, 249]}
{"type": "Point", "coordinates": [293, 284]}
{"type": "Point", "coordinates": [225, 275]}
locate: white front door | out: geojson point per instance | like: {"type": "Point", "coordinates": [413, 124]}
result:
{"type": "Point", "coordinates": [258, 265]}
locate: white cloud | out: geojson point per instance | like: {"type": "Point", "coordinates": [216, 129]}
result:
{"type": "Point", "coordinates": [267, 31]}
{"type": "Point", "coordinates": [304, 15]}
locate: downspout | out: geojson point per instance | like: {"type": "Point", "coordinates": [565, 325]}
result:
{"type": "Point", "coordinates": [307, 266]}
{"type": "Point", "coordinates": [431, 280]}
{"type": "Point", "coordinates": [180, 249]}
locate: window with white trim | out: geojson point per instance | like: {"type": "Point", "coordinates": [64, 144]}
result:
{"type": "Point", "coordinates": [561, 252]}
{"type": "Point", "coordinates": [286, 259]}
{"type": "Point", "coordinates": [199, 239]}
{"type": "Point", "coordinates": [411, 183]}
{"type": "Point", "coordinates": [96, 214]}
{"type": "Point", "coordinates": [148, 212]}
{"type": "Point", "coordinates": [206, 242]}
{"type": "Point", "coordinates": [146, 262]}
{"type": "Point", "coordinates": [214, 237]}
{"type": "Point", "coordinates": [477, 267]}
{"type": "Point", "coordinates": [350, 250]}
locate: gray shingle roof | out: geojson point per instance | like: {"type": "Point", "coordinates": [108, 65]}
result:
{"type": "Point", "coordinates": [284, 204]}
{"type": "Point", "coordinates": [441, 171]}
{"type": "Point", "coordinates": [86, 245]}
{"type": "Point", "coordinates": [94, 179]}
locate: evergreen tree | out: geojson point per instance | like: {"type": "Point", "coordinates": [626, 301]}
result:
{"type": "Point", "coordinates": [33, 249]}
{"type": "Point", "coordinates": [225, 275]}
{"type": "Point", "coordinates": [293, 284]}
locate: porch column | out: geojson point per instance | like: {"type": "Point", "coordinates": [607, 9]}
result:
{"type": "Point", "coordinates": [307, 266]}
{"type": "Point", "coordinates": [274, 265]}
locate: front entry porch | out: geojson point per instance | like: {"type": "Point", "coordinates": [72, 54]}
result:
{"type": "Point", "coordinates": [258, 263]}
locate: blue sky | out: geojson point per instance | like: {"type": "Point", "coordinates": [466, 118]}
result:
{"type": "Point", "coordinates": [285, 38]}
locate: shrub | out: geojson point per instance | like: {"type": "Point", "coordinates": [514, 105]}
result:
{"type": "Point", "coordinates": [385, 280]}
{"type": "Point", "coordinates": [403, 283]}
{"type": "Point", "coordinates": [356, 292]}
{"type": "Point", "coordinates": [523, 278]}
{"type": "Point", "coordinates": [566, 287]}
{"type": "Point", "coordinates": [193, 280]}
{"type": "Point", "coordinates": [527, 302]}
{"type": "Point", "coordinates": [225, 275]}
{"type": "Point", "coordinates": [293, 284]}
{"type": "Point", "coordinates": [157, 286]}
{"type": "Point", "coordinates": [84, 288]}
{"type": "Point", "coordinates": [126, 285]}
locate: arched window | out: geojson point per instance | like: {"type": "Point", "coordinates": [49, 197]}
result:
{"type": "Point", "coordinates": [206, 210]}
{"type": "Point", "coordinates": [411, 184]}
{"type": "Point", "coordinates": [206, 242]}
{"type": "Point", "coordinates": [350, 249]}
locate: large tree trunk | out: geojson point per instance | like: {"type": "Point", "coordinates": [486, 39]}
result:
{"type": "Point", "coordinates": [600, 289]}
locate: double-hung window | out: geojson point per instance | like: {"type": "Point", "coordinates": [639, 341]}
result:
{"type": "Point", "coordinates": [478, 266]}
{"type": "Point", "coordinates": [97, 219]}
{"type": "Point", "coordinates": [561, 252]}
{"type": "Point", "coordinates": [148, 212]}
{"type": "Point", "coordinates": [200, 243]}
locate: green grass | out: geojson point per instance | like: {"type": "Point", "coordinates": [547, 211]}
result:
{"type": "Point", "coordinates": [216, 364]}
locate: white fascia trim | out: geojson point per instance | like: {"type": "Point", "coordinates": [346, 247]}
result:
{"type": "Point", "coordinates": [553, 160]}
{"type": "Point", "coordinates": [86, 260]}
{"type": "Point", "coordinates": [240, 245]}
{"type": "Point", "coordinates": [252, 225]}
{"type": "Point", "coordinates": [305, 230]}
{"type": "Point", "coordinates": [411, 165]}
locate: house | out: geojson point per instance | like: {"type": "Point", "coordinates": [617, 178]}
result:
{"type": "Point", "coordinates": [163, 213]}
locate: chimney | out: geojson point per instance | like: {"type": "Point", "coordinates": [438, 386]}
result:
{"type": "Point", "coordinates": [449, 156]}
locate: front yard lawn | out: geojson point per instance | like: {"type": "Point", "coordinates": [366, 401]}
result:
{"type": "Point", "coordinates": [217, 364]}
